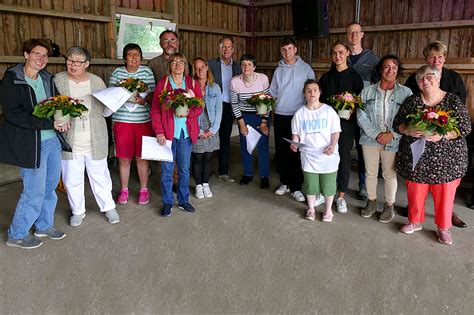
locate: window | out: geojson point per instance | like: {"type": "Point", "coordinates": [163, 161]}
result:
{"type": "Point", "coordinates": [142, 31]}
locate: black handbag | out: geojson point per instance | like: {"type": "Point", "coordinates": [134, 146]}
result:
{"type": "Point", "coordinates": [64, 145]}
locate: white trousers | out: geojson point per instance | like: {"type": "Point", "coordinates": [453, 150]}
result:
{"type": "Point", "coordinates": [99, 179]}
{"type": "Point", "coordinates": [372, 157]}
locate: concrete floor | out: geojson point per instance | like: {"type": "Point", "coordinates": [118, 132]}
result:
{"type": "Point", "coordinates": [244, 251]}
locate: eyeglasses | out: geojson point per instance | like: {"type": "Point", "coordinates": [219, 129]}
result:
{"type": "Point", "coordinates": [427, 76]}
{"type": "Point", "coordinates": [130, 54]}
{"type": "Point", "coordinates": [177, 63]}
{"type": "Point", "coordinates": [169, 40]}
{"type": "Point", "coordinates": [75, 63]}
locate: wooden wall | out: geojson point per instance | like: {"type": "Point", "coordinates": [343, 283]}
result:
{"type": "Point", "coordinates": [403, 27]}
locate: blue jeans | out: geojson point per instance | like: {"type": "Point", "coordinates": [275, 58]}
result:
{"type": "Point", "coordinates": [254, 120]}
{"type": "Point", "coordinates": [38, 199]}
{"type": "Point", "coordinates": [182, 155]}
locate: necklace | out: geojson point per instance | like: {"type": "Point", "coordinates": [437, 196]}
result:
{"type": "Point", "coordinates": [248, 83]}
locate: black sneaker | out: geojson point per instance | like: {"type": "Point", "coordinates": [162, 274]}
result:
{"type": "Point", "coordinates": [187, 207]}
{"type": "Point", "coordinates": [245, 180]}
{"type": "Point", "coordinates": [28, 242]}
{"type": "Point", "coordinates": [52, 233]}
{"type": "Point", "coordinates": [167, 209]}
{"type": "Point", "coordinates": [264, 183]}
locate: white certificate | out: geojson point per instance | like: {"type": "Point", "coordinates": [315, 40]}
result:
{"type": "Point", "coordinates": [298, 144]}
{"type": "Point", "coordinates": [113, 97]}
{"type": "Point", "coordinates": [252, 139]}
{"type": "Point", "coordinates": [152, 150]}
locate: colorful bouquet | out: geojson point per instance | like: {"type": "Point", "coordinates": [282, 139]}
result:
{"type": "Point", "coordinates": [431, 120]}
{"type": "Point", "coordinates": [263, 102]}
{"type": "Point", "coordinates": [181, 101]}
{"type": "Point", "coordinates": [133, 85]}
{"type": "Point", "coordinates": [65, 104]}
{"type": "Point", "coordinates": [346, 101]}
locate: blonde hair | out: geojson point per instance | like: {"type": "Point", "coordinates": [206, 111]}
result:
{"type": "Point", "coordinates": [437, 47]}
{"type": "Point", "coordinates": [210, 77]}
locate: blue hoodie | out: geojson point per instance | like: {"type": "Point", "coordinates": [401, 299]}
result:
{"type": "Point", "coordinates": [287, 85]}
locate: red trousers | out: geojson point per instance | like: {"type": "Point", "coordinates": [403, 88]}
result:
{"type": "Point", "coordinates": [443, 197]}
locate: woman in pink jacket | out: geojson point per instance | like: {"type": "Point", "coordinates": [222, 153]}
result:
{"type": "Point", "coordinates": [181, 130]}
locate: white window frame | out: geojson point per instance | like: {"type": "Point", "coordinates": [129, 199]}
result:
{"type": "Point", "coordinates": [129, 19]}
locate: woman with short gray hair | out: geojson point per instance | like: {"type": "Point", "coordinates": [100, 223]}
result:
{"type": "Point", "coordinates": [88, 139]}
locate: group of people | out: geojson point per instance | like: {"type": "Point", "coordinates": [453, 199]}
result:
{"type": "Point", "coordinates": [315, 164]}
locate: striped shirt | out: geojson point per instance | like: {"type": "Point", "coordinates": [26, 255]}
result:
{"type": "Point", "coordinates": [239, 93]}
{"type": "Point", "coordinates": [141, 114]}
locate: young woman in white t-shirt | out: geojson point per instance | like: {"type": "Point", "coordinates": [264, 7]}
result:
{"type": "Point", "coordinates": [316, 127]}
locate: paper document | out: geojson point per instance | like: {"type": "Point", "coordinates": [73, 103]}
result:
{"type": "Point", "coordinates": [252, 139]}
{"type": "Point", "coordinates": [152, 150]}
{"type": "Point", "coordinates": [298, 144]}
{"type": "Point", "coordinates": [113, 97]}
{"type": "Point", "coordinates": [417, 149]}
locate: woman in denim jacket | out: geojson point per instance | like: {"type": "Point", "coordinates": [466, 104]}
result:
{"type": "Point", "coordinates": [378, 139]}
{"type": "Point", "coordinates": [209, 122]}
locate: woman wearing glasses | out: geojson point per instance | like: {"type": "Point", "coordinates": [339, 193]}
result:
{"type": "Point", "coordinates": [32, 144]}
{"type": "Point", "coordinates": [443, 159]}
{"type": "Point", "coordinates": [181, 131]}
{"type": "Point", "coordinates": [242, 88]}
{"type": "Point", "coordinates": [88, 139]}
{"type": "Point", "coordinates": [130, 123]}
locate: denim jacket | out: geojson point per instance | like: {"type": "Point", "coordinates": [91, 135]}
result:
{"type": "Point", "coordinates": [213, 101]}
{"type": "Point", "coordinates": [368, 119]}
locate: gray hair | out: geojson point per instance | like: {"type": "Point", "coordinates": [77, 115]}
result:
{"type": "Point", "coordinates": [78, 50]}
{"type": "Point", "coordinates": [426, 68]}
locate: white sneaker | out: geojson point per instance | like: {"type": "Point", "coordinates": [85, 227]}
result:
{"type": "Point", "coordinates": [298, 196]}
{"type": "Point", "coordinates": [76, 219]}
{"type": "Point", "coordinates": [283, 189]}
{"type": "Point", "coordinates": [341, 205]}
{"type": "Point", "coordinates": [206, 190]}
{"type": "Point", "coordinates": [319, 200]}
{"type": "Point", "coordinates": [199, 192]}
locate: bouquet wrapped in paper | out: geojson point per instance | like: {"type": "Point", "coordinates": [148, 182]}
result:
{"type": "Point", "coordinates": [180, 101]}
{"type": "Point", "coordinates": [433, 120]}
{"type": "Point", "coordinates": [135, 86]}
{"type": "Point", "coordinates": [263, 102]}
{"type": "Point", "coordinates": [346, 103]}
{"type": "Point", "coordinates": [61, 107]}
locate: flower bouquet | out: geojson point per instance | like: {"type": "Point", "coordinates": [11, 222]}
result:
{"type": "Point", "coordinates": [345, 103]}
{"type": "Point", "coordinates": [433, 120]}
{"type": "Point", "coordinates": [180, 101]}
{"type": "Point", "coordinates": [263, 102]}
{"type": "Point", "coordinates": [61, 107]}
{"type": "Point", "coordinates": [135, 86]}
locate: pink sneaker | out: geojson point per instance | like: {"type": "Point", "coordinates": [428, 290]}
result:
{"type": "Point", "coordinates": [444, 237]}
{"type": "Point", "coordinates": [123, 196]}
{"type": "Point", "coordinates": [410, 228]}
{"type": "Point", "coordinates": [327, 216]}
{"type": "Point", "coordinates": [310, 214]}
{"type": "Point", "coordinates": [143, 196]}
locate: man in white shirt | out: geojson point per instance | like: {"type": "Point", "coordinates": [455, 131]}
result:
{"type": "Point", "coordinates": [223, 69]}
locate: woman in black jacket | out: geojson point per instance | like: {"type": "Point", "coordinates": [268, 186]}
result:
{"type": "Point", "coordinates": [32, 144]}
{"type": "Point", "coordinates": [341, 78]}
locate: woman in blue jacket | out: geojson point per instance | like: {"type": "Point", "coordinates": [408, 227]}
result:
{"type": "Point", "coordinates": [209, 122]}
{"type": "Point", "coordinates": [378, 139]}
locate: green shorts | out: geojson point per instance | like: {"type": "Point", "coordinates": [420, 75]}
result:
{"type": "Point", "coordinates": [324, 184]}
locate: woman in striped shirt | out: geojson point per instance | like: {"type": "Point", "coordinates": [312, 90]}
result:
{"type": "Point", "coordinates": [242, 88]}
{"type": "Point", "coordinates": [131, 122]}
